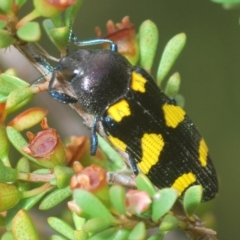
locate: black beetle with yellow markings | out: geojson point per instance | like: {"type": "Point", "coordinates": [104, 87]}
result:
{"type": "Point", "coordinates": [137, 117]}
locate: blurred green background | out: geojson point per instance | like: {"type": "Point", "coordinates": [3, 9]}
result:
{"type": "Point", "coordinates": [210, 71]}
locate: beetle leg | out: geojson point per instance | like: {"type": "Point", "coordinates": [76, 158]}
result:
{"type": "Point", "coordinates": [44, 63]}
{"type": "Point", "coordinates": [60, 96]}
{"type": "Point", "coordinates": [94, 138]}
{"type": "Point", "coordinates": [133, 165]}
{"type": "Point", "coordinates": [173, 101]}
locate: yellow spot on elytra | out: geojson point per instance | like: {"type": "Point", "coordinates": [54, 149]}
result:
{"type": "Point", "coordinates": [138, 82]}
{"type": "Point", "coordinates": [183, 182]}
{"type": "Point", "coordinates": [173, 115]}
{"type": "Point", "coordinates": [119, 110]}
{"type": "Point", "coordinates": [152, 145]}
{"type": "Point", "coordinates": [203, 153]}
{"type": "Point", "coordinates": [117, 143]}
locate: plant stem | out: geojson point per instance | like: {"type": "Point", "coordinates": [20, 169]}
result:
{"type": "Point", "coordinates": [33, 192]}
{"type": "Point", "coordinates": [33, 177]}
{"type": "Point", "coordinates": [29, 17]}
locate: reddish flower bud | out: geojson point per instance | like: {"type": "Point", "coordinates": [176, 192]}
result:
{"type": "Point", "coordinates": [91, 178]}
{"type": "Point", "coordinates": [137, 201]}
{"type": "Point", "coordinates": [49, 8]}
{"type": "Point", "coordinates": [79, 150]}
{"type": "Point", "coordinates": [124, 35]}
{"type": "Point", "coordinates": [61, 4]}
{"type": "Point", "coordinates": [46, 145]}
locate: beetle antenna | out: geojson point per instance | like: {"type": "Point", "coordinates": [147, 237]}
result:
{"type": "Point", "coordinates": [94, 138]}
{"type": "Point", "coordinates": [113, 46]}
{"type": "Point", "coordinates": [45, 64]}
{"type": "Point", "coordinates": [70, 34]}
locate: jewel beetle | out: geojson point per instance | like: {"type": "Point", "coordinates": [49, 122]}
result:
{"type": "Point", "coordinates": [138, 118]}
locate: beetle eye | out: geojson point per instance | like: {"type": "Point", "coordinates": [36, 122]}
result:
{"type": "Point", "coordinates": [69, 73]}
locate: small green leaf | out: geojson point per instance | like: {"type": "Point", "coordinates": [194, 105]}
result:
{"type": "Point", "coordinates": [78, 221]}
{"type": "Point", "coordinates": [5, 90]}
{"type": "Point", "coordinates": [148, 40]}
{"type": "Point", "coordinates": [20, 2]}
{"type": "Point", "coordinates": [158, 236]}
{"type": "Point", "coordinates": [23, 228]}
{"type": "Point", "coordinates": [58, 35]}
{"type": "Point", "coordinates": [71, 12]}
{"type": "Point", "coordinates": [173, 85]}
{"type": "Point", "coordinates": [163, 201]}
{"type": "Point", "coordinates": [18, 142]}
{"type": "Point", "coordinates": [117, 196]}
{"type": "Point", "coordinates": [192, 199]}
{"type": "Point", "coordinates": [24, 167]}
{"type": "Point", "coordinates": [169, 56]}
{"type": "Point", "coordinates": [80, 235]}
{"type": "Point", "coordinates": [29, 32]}
{"type": "Point", "coordinates": [16, 138]}
{"type": "Point", "coordinates": [17, 97]}
{"type": "Point", "coordinates": [86, 200]}
{"type": "Point", "coordinates": [55, 197]}
{"type": "Point", "coordinates": [6, 39]}
{"type": "Point", "coordinates": [48, 25]}
{"type": "Point", "coordinates": [57, 237]}
{"type": "Point", "coordinates": [61, 227]}
{"type": "Point", "coordinates": [225, 1]}
{"type": "Point", "coordinates": [96, 225]}
{"type": "Point", "coordinates": [144, 184]}
{"type": "Point", "coordinates": [6, 6]}
{"type": "Point", "coordinates": [169, 223]}
{"type": "Point", "coordinates": [14, 81]}
{"type": "Point", "coordinates": [7, 174]}
{"type": "Point", "coordinates": [9, 196]}
{"type": "Point", "coordinates": [105, 235]}
{"type": "Point", "coordinates": [57, 21]}
{"type": "Point", "coordinates": [26, 203]}
{"type": "Point", "coordinates": [4, 146]}
{"type": "Point", "coordinates": [63, 175]}
{"type": "Point", "coordinates": [139, 232]}
{"type": "Point", "coordinates": [121, 234]}
{"type": "Point", "coordinates": [115, 158]}
{"type": "Point", "coordinates": [8, 84]}
{"type": "Point", "coordinates": [7, 236]}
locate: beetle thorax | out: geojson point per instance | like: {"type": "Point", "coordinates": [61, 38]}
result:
{"type": "Point", "coordinates": [103, 78]}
